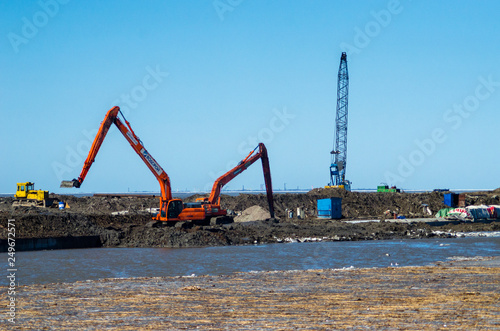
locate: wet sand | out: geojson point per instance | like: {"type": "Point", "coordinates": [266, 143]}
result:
{"type": "Point", "coordinates": [458, 295]}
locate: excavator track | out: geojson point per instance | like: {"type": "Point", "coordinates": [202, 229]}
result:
{"type": "Point", "coordinates": [221, 220]}
{"type": "Point", "coordinates": [209, 221]}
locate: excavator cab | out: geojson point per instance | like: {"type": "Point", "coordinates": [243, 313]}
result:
{"type": "Point", "coordinates": [202, 201]}
{"type": "Point", "coordinates": [174, 208]}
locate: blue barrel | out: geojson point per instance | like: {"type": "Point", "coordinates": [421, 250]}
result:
{"type": "Point", "coordinates": [61, 205]}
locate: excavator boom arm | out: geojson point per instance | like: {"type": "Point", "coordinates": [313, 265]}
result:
{"type": "Point", "coordinates": [242, 166]}
{"type": "Point", "coordinates": [96, 145]}
{"type": "Point", "coordinates": [134, 141]}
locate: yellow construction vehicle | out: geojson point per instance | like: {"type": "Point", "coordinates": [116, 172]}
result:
{"type": "Point", "coordinates": [26, 195]}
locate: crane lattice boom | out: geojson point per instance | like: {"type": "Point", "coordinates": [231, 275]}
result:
{"type": "Point", "coordinates": [339, 153]}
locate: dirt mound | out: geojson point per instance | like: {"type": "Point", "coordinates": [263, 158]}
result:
{"type": "Point", "coordinates": [254, 213]}
{"type": "Point", "coordinates": [355, 205]}
{"type": "Point", "coordinates": [94, 216]}
{"type": "Point", "coordinates": [108, 204]}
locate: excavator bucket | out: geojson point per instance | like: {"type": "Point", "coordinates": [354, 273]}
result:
{"type": "Point", "coordinates": [70, 183]}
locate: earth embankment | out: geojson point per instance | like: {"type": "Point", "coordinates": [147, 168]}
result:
{"type": "Point", "coordinates": [126, 222]}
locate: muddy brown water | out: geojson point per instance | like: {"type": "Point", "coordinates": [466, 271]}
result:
{"type": "Point", "coordinates": [42, 267]}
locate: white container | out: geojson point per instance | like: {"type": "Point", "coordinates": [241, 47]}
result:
{"type": "Point", "coordinates": [300, 213]}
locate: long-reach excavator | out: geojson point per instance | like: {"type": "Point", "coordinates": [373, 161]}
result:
{"type": "Point", "coordinates": [214, 199]}
{"type": "Point", "coordinates": [174, 209]}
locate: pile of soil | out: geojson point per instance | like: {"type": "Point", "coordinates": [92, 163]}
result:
{"type": "Point", "coordinates": [254, 213]}
{"type": "Point", "coordinates": [93, 216]}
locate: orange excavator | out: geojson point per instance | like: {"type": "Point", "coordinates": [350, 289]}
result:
{"type": "Point", "coordinates": [173, 209]}
{"type": "Point", "coordinates": [213, 201]}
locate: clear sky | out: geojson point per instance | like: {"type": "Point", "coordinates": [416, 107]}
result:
{"type": "Point", "coordinates": [202, 82]}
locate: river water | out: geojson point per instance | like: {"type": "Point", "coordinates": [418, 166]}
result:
{"type": "Point", "coordinates": [40, 267]}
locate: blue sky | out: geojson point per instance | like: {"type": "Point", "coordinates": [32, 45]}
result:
{"type": "Point", "coordinates": [202, 82]}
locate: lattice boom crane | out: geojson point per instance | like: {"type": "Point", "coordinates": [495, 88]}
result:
{"type": "Point", "coordinates": [339, 152]}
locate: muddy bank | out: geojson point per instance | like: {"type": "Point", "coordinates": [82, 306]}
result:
{"type": "Point", "coordinates": [449, 296]}
{"type": "Point", "coordinates": [93, 217]}
{"type": "Point", "coordinates": [355, 205]}
{"type": "Point", "coordinates": [140, 231]}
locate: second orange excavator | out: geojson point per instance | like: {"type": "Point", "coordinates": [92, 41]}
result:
{"type": "Point", "coordinates": [174, 209]}
{"type": "Point", "coordinates": [213, 201]}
